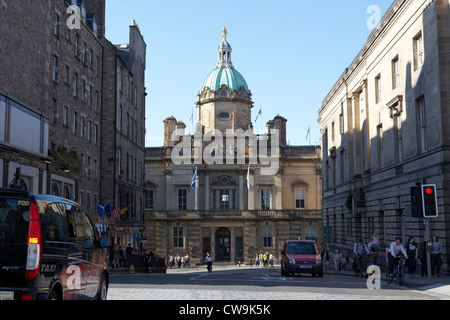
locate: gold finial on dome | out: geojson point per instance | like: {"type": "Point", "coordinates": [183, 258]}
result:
{"type": "Point", "coordinates": [224, 33]}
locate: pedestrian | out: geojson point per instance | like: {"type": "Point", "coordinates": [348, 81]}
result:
{"type": "Point", "coordinates": [360, 250]}
{"type": "Point", "coordinates": [337, 260]}
{"type": "Point", "coordinates": [423, 258]}
{"type": "Point", "coordinates": [115, 256]}
{"type": "Point", "coordinates": [374, 249]}
{"type": "Point", "coordinates": [271, 260]}
{"type": "Point", "coordinates": [412, 249]}
{"type": "Point", "coordinates": [436, 261]}
{"type": "Point", "coordinates": [187, 258]}
{"type": "Point", "coordinates": [208, 261]}
{"type": "Point", "coordinates": [256, 260]}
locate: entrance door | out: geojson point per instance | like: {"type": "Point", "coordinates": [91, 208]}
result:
{"type": "Point", "coordinates": [223, 245]}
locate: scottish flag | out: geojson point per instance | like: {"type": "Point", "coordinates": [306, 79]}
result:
{"type": "Point", "coordinates": [195, 180]}
{"type": "Point", "coordinates": [259, 114]}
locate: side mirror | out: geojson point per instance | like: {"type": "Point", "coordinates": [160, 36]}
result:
{"type": "Point", "coordinates": [105, 242]}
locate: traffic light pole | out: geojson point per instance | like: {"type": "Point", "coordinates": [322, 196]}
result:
{"type": "Point", "coordinates": [427, 238]}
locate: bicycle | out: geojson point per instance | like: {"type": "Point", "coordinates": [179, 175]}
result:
{"type": "Point", "coordinates": [399, 274]}
{"type": "Point", "coordinates": [360, 263]}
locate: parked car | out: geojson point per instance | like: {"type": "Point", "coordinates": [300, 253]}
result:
{"type": "Point", "coordinates": [49, 250]}
{"type": "Point", "coordinates": [300, 256]}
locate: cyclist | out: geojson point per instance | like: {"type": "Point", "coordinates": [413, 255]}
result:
{"type": "Point", "coordinates": [360, 250]}
{"type": "Point", "coordinates": [396, 250]}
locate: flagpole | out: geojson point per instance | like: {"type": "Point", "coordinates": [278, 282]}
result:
{"type": "Point", "coordinates": [196, 190]}
{"type": "Point", "coordinates": [260, 129]}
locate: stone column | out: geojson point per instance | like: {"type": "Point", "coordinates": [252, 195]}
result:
{"type": "Point", "coordinates": [241, 190]}
{"type": "Point", "coordinates": [213, 244]}
{"type": "Point", "coordinates": [206, 190]}
{"type": "Point", "coordinates": [233, 244]}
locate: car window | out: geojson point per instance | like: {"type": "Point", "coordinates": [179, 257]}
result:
{"type": "Point", "coordinates": [55, 222]}
{"type": "Point", "coordinates": [14, 220]}
{"type": "Point", "coordinates": [83, 229]}
{"type": "Point", "coordinates": [301, 248]}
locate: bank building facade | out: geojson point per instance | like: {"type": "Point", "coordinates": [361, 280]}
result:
{"type": "Point", "coordinates": [209, 193]}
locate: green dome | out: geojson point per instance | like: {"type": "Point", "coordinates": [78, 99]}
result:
{"type": "Point", "coordinates": [225, 75]}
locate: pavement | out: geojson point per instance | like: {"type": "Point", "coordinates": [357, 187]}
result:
{"type": "Point", "coordinates": [433, 286]}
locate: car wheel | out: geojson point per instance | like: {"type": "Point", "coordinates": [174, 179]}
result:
{"type": "Point", "coordinates": [53, 296]}
{"type": "Point", "coordinates": [102, 289]}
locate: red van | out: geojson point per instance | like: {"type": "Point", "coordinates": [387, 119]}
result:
{"type": "Point", "coordinates": [301, 256]}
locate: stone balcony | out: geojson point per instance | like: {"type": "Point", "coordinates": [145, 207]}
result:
{"type": "Point", "coordinates": [235, 214]}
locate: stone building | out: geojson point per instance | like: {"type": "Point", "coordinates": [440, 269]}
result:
{"type": "Point", "coordinates": [384, 128]}
{"type": "Point", "coordinates": [72, 107]}
{"type": "Point", "coordinates": [240, 206]}
{"type": "Point", "coordinates": [123, 134]}
{"type": "Point", "coordinates": [57, 71]}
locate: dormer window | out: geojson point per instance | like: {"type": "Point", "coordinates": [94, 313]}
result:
{"type": "Point", "coordinates": [82, 6]}
{"type": "Point", "coordinates": [224, 94]}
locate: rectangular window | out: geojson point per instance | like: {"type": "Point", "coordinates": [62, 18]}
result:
{"type": "Point", "coordinates": [267, 235]}
{"type": "Point", "coordinates": [55, 69]}
{"type": "Point", "coordinates": [341, 123]}
{"type": "Point", "coordinates": [89, 133]}
{"type": "Point", "coordinates": [148, 199]}
{"type": "Point", "coordinates": [380, 147]}
{"type": "Point", "coordinates": [178, 237]}
{"type": "Point", "coordinates": [76, 45]}
{"type": "Point", "coordinates": [398, 133]}
{"type": "Point", "coordinates": [75, 84]}
{"type": "Point", "coordinates": [95, 133]}
{"type": "Point", "coordinates": [224, 199]}
{"type": "Point", "coordinates": [74, 123]}
{"type": "Point", "coordinates": [65, 116]}
{"type": "Point", "coordinates": [67, 80]}
{"type": "Point", "coordinates": [419, 52]}
{"type": "Point", "coordinates": [332, 131]}
{"type": "Point", "coordinates": [300, 199]}
{"type": "Point", "coordinates": [265, 198]}
{"type": "Point", "coordinates": [83, 90]}
{"type": "Point", "coordinates": [56, 25]}
{"type": "Point", "coordinates": [182, 199]}
{"type": "Point", "coordinates": [395, 73]}
{"type": "Point", "coordinates": [378, 89]}
{"type": "Point", "coordinates": [82, 127]}
{"type": "Point", "coordinates": [421, 125]}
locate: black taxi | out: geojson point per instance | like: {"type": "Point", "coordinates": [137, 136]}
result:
{"type": "Point", "coordinates": [49, 250]}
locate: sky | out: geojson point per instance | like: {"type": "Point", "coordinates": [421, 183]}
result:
{"type": "Point", "coordinates": [291, 53]}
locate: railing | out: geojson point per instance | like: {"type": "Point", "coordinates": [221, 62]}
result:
{"type": "Point", "coordinates": [285, 151]}
{"type": "Point", "coordinates": [232, 214]}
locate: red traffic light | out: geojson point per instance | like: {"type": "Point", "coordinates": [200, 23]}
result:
{"type": "Point", "coordinates": [429, 191]}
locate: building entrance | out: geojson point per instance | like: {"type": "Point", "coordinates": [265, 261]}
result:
{"type": "Point", "coordinates": [223, 245]}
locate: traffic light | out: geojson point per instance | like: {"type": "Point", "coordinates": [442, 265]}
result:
{"type": "Point", "coordinates": [429, 200]}
{"type": "Point", "coordinates": [416, 202]}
